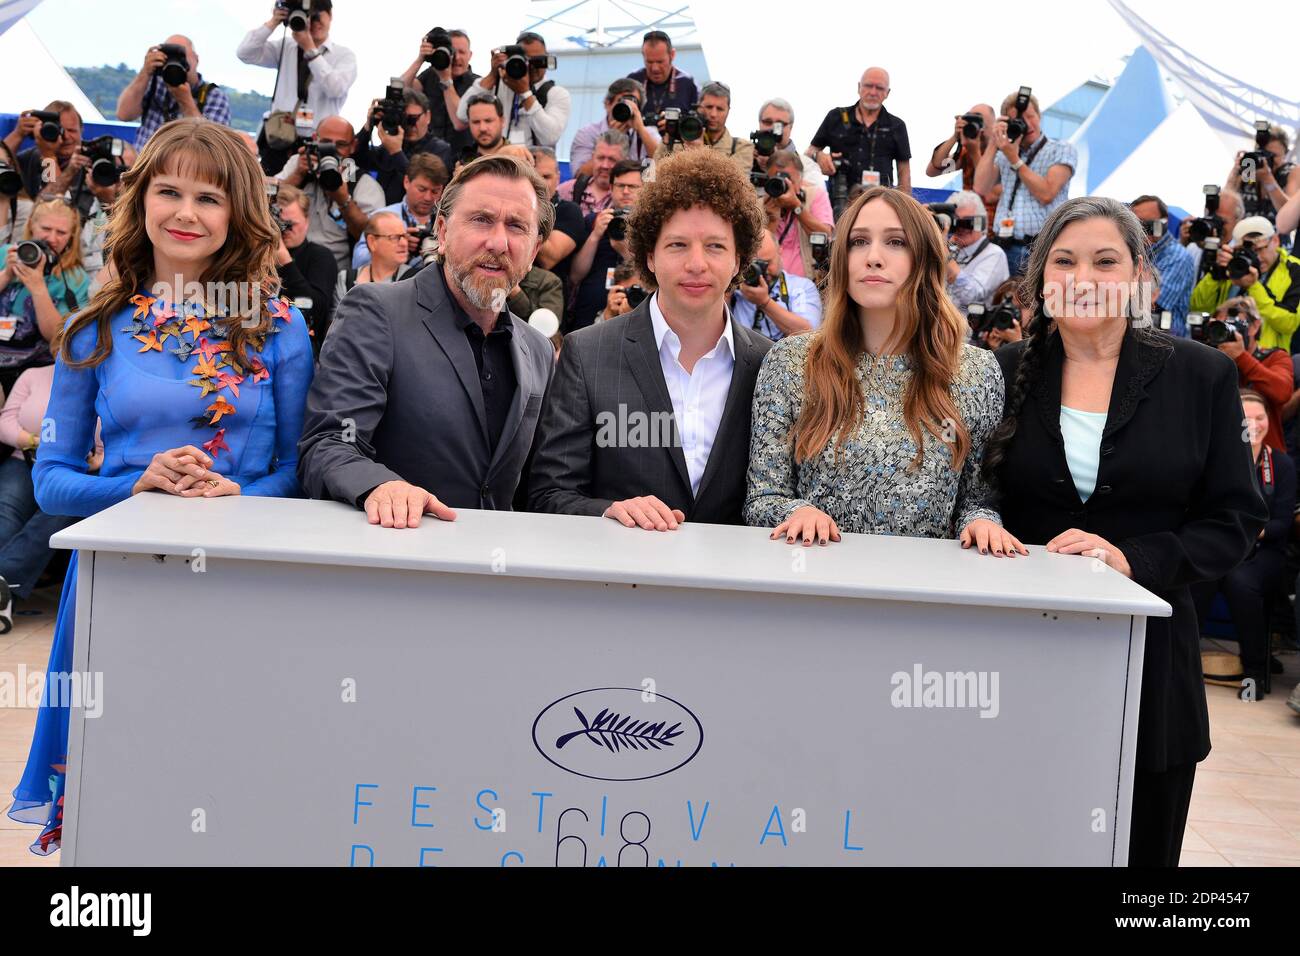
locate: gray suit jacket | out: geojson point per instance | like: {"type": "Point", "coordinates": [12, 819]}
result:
{"type": "Point", "coordinates": [611, 371]}
{"type": "Point", "coordinates": [397, 396]}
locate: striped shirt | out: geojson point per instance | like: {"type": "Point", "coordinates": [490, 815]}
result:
{"type": "Point", "coordinates": [1028, 212]}
{"type": "Point", "coordinates": [160, 107]}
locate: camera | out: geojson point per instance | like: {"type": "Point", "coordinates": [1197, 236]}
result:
{"type": "Point", "coordinates": [820, 244]}
{"type": "Point", "coordinates": [1215, 332]}
{"type": "Point", "coordinates": [518, 63]}
{"type": "Point", "coordinates": [31, 251]}
{"type": "Point", "coordinates": [391, 111]}
{"type": "Point", "coordinates": [323, 162]}
{"type": "Point", "coordinates": [1016, 126]}
{"type": "Point", "coordinates": [11, 183]}
{"type": "Point", "coordinates": [440, 58]}
{"type": "Point", "coordinates": [1155, 228]}
{"type": "Point", "coordinates": [755, 273]}
{"type": "Point", "coordinates": [775, 186]}
{"type": "Point", "coordinates": [635, 295]}
{"type": "Point", "coordinates": [51, 127]}
{"type": "Point", "coordinates": [621, 111]}
{"type": "Point", "coordinates": [1211, 224]}
{"type": "Point", "coordinates": [687, 126]}
{"type": "Point", "coordinates": [177, 68]}
{"type": "Point", "coordinates": [972, 125]}
{"type": "Point", "coordinates": [839, 185]}
{"type": "Point", "coordinates": [1002, 316]}
{"type": "Point", "coordinates": [105, 155]}
{"type": "Point", "coordinates": [299, 14]}
{"type": "Point", "coordinates": [942, 209]}
{"type": "Point", "coordinates": [767, 140]}
{"type": "Point", "coordinates": [277, 213]}
{"type": "Point", "coordinates": [426, 243]}
{"type": "Point", "coordinates": [1242, 261]}
{"type": "Point", "coordinates": [617, 228]}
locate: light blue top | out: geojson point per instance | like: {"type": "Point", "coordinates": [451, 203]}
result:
{"type": "Point", "coordinates": [147, 405]}
{"type": "Point", "coordinates": [1082, 434]}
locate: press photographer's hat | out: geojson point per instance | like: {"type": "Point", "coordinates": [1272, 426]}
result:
{"type": "Point", "coordinates": [1253, 225]}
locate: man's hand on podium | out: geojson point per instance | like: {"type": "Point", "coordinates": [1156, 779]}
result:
{"type": "Point", "coordinates": [648, 512]}
{"type": "Point", "coordinates": [988, 536]}
{"type": "Point", "coordinates": [398, 504]}
{"type": "Point", "coordinates": [1089, 545]}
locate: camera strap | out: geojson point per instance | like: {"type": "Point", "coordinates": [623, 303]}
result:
{"type": "Point", "coordinates": [975, 255]}
{"type": "Point", "coordinates": [1266, 470]}
{"type": "Point", "coordinates": [1026, 159]}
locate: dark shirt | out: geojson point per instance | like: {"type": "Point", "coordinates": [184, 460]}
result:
{"type": "Point", "coordinates": [568, 220]}
{"type": "Point", "coordinates": [878, 146]}
{"type": "Point", "coordinates": [441, 124]}
{"type": "Point", "coordinates": [29, 167]}
{"type": "Point", "coordinates": [312, 272]}
{"type": "Point", "coordinates": [1277, 488]}
{"type": "Point", "coordinates": [496, 368]}
{"type": "Point", "coordinates": [589, 299]}
{"type": "Point", "coordinates": [679, 91]}
{"type": "Point", "coordinates": [390, 168]}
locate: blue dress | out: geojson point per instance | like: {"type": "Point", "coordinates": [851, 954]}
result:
{"type": "Point", "coordinates": [148, 399]}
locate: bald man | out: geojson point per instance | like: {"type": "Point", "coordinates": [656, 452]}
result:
{"type": "Point", "coordinates": [151, 100]}
{"type": "Point", "coordinates": [338, 217]}
{"type": "Point", "coordinates": [868, 140]}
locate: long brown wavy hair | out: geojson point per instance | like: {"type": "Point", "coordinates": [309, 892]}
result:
{"type": "Point", "coordinates": [214, 154]}
{"type": "Point", "coordinates": [927, 328]}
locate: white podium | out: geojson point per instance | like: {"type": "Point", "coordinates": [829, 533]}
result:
{"type": "Point", "coordinates": [285, 684]}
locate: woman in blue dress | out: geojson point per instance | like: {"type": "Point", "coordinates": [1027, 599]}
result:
{"type": "Point", "coordinates": [197, 371]}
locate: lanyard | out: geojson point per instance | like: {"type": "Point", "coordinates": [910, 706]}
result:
{"type": "Point", "coordinates": [1266, 470]}
{"type": "Point", "coordinates": [790, 221]}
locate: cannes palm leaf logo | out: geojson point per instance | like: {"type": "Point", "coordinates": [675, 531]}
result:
{"type": "Point", "coordinates": [614, 730]}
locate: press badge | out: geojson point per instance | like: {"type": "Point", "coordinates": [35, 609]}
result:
{"type": "Point", "coordinates": [1006, 228]}
{"type": "Point", "coordinates": [870, 177]}
{"type": "Point", "coordinates": [8, 325]}
{"type": "Point", "coordinates": [304, 122]}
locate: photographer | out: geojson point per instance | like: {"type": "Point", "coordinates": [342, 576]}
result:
{"type": "Point", "coordinates": [444, 88]}
{"type": "Point", "coordinates": [156, 97]}
{"type": "Point", "coordinates": [1267, 371]}
{"type": "Point", "coordinates": [312, 72]}
{"type": "Point", "coordinates": [665, 85]}
{"type": "Point", "coordinates": [50, 167]}
{"type": "Point", "coordinates": [866, 139]}
{"type": "Point", "coordinates": [1175, 264]}
{"type": "Point", "coordinates": [778, 111]}
{"type": "Point", "coordinates": [570, 230]}
{"type": "Point", "coordinates": [15, 204]}
{"type": "Point", "coordinates": [41, 284]}
{"type": "Point", "coordinates": [1272, 181]}
{"type": "Point", "coordinates": [624, 98]}
{"type": "Point", "coordinates": [604, 248]}
{"type": "Point", "coordinates": [1004, 310]}
{"type": "Point", "coordinates": [976, 267]}
{"type": "Point", "coordinates": [1223, 210]}
{"type": "Point", "coordinates": [1248, 586]}
{"type": "Point", "coordinates": [390, 159]}
{"type": "Point", "coordinates": [338, 215]}
{"type": "Point", "coordinates": [617, 301]}
{"type": "Point", "coordinates": [1034, 172]}
{"type": "Point", "coordinates": [536, 109]}
{"type": "Point", "coordinates": [307, 270]}
{"type": "Point", "coordinates": [713, 109]}
{"type": "Point", "coordinates": [423, 184]}
{"type": "Point", "coordinates": [95, 221]}
{"type": "Point", "coordinates": [971, 137]}
{"type": "Point", "coordinates": [592, 191]}
{"type": "Point", "coordinates": [772, 301]}
{"type": "Point", "coordinates": [796, 214]}
{"type": "Point", "coordinates": [1257, 266]}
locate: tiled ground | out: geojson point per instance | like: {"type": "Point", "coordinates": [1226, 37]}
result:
{"type": "Point", "coordinates": [1245, 807]}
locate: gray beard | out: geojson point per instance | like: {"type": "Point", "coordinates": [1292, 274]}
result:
{"type": "Point", "coordinates": [483, 294]}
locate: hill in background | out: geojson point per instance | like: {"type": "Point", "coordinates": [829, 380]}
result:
{"type": "Point", "coordinates": [104, 84]}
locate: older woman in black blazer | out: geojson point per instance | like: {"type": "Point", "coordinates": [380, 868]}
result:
{"type": "Point", "coordinates": [1122, 444]}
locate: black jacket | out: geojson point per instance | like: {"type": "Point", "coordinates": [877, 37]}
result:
{"type": "Point", "coordinates": [390, 168]}
{"type": "Point", "coordinates": [312, 272]}
{"type": "Point", "coordinates": [1175, 493]}
{"type": "Point", "coordinates": [609, 376]}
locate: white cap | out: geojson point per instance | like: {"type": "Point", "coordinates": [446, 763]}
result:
{"type": "Point", "coordinates": [1252, 225]}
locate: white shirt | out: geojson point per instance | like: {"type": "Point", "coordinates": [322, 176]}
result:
{"type": "Point", "coordinates": [325, 223]}
{"type": "Point", "coordinates": [980, 275]}
{"type": "Point", "coordinates": [699, 396]}
{"type": "Point", "coordinates": [532, 127]}
{"type": "Point", "coordinates": [332, 72]}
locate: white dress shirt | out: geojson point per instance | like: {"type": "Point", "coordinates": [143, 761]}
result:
{"type": "Point", "coordinates": [699, 396]}
{"type": "Point", "coordinates": [332, 72]}
{"type": "Point", "coordinates": [536, 126]}
{"type": "Point", "coordinates": [981, 274]}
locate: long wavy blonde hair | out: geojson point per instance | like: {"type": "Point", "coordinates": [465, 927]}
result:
{"type": "Point", "coordinates": [214, 154]}
{"type": "Point", "coordinates": [928, 329]}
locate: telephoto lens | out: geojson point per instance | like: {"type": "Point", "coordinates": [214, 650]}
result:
{"type": "Point", "coordinates": [177, 68]}
{"type": "Point", "coordinates": [621, 111]}
{"type": "Point", "coordinates": [11, 183]}
{"type": "Point", "coordinates": [440, 58]}
{"type": "Point", "coordinates": [617, 228]}
{"type": "Point", "coordinates": [31, 252]}
{"type": "Point", "coordinates": [756, 273]}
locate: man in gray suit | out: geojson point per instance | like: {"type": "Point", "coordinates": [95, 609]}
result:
{"type": "Point", "coordinates": [647, 418]}
{"type": "Point", "coordinates": [429, 389]}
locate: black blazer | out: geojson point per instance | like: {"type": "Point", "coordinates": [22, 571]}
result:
{"type": "Point", "coordinates": [1175, 493]}
{"type": "Point", "coordinates": [611, 369]}
{"type": "Point", "coordinates": [397, 396]}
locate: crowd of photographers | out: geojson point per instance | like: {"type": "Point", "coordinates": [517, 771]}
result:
{"type": "Point", "coordinates": [356, 204]}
